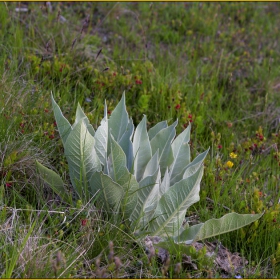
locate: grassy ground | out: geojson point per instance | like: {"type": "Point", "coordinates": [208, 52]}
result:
{"type": "Point", "coordinates": [215, 65]}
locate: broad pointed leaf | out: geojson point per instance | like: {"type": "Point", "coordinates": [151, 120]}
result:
{"type": "Point", "coordinates": [214, 227]}
{"type": "Point", "coordinates": [173, 204]}
{"type": "Point", "coordinates": [148, 194]}
{"type": "Point", "coordinates": [153, 131]}
{"type": "Point", "coordinates": [195, 164]}
{"type": "Point", "coordinates": [81, 115]}
{"type": "Point", "coordinates": [181, 152]}
{"type": "Point", "coordinates": [64, 127]}
{"type": "Point", "coordinates": [131, 195]}
{"type": "Point", "coordinates": [82, 158]}
{"type": "Point", "coordinates": [187, 236]}
{"type": "Point", "coordinates": [162, 141]}
{"type": "Point", "coordinates": [165, 184]}
{"type": "Point", "coordinates": [118, 170]}
{"type": "Point", "coordinates": [126, 144]}
{"type": "Point", "coordinates": [142, 151]}
{"type": "Point", "coordinates": [54, 181]}
{"type": "Point", "coordinates": [119, 120]}
{"type": "Point", "coordinates": [101, 138]}
{"type": "Point", "coordinates": [152, 199]}
{"type": "Point", "coordinates": [190, 169]}
{"type": "Point", "coordinates": [152, 165]}
{"type": "Point", "coordinates": [120, 174]}
{"type": "Point", "coordinates": [110, 193]}
{"type": "Point", "coordinates": [122, 129]}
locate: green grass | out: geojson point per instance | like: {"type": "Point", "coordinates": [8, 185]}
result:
{"type": "Point", "coordinates": [216, 65]}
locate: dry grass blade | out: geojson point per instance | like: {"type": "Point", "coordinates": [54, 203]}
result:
{"type": "Point", "coordinates": [98, 54]}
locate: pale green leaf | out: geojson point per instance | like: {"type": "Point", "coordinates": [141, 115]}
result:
{"type": "Point", "coordinates": [117, 169]}
{"type": "Point", "coordinates": [173, 204]}
{"type": "Point", "coordinates": [181, 152]}
{"type": "Point", "coordinates": [80, 115]}
{"type": "Point", "coordinates": [109, 193]}
{"type": "Point", "coordinates": [152, 199]}
{"type": "Point", "coordinates": [119, 120]}
{"type": "Point", "coordinates": [101, 139]}
{"type": "Point", "coordinates": [82, 158]}
{"type": "Point", "coordinates": [64, 127]}
{"type": "Point", "coordinates": [187, 236]}
{"type": "Point", "coordinates": [121, 127]}
{"type": "Point", "coordinates": [148, 197]}
{"type": "Point", "coordinates": [195, 164]}
{"type": "Point", "coordinates": [126, 144]}
{"type": "Point", "coordinates": [214, 227]}
{"type": "Point", "coordinates": [152, 165]}
{"type": "Point", "coordinates": [131, 195]}
{"type": "Point", "coordinates": [190, 169]}
{"type": "Point", "coordinates": [142, 151]}
{"type": "Point", "coordinates": [153, 131]}
{"type": "Point", "coordinates": [120, 174]}
{"type": "Point", "coordinates": [54, 181]}
{"type": "Point", "coordinates": [165, 184]}
{"type": "Point", "coordinates": [162, 142]}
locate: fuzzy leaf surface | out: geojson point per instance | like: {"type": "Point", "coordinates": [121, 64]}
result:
{"type": "Point", "coordinates": [148, 197]}
{"type": "Point", "coordinates": [101, 139]}
{"type": "Point", "coordinates": [54, 181]}
{"type": "Point", "coordinates": [126, 144]}
{"type": "Point", "coordinates": [165, 184]}
{"type": "Point", "coordinates": [181, 152]}
{"type": "Point", "coordinates": [142, 151]}
{"type": "Point", "coordinates": [153, 197]}
{"type": "Point", "coordinates": [153, 131]}
{"type": "Point", "coordinates": [80, 115]}
{"type": "Point", "coordinates": [120, 174]}
{"type": "Point", "coordinates": [152, 165]}
{"type": "Point", "coordinates": [109, 193]}
{"type": "Point", "coordinates": [173, 204]}
{"type": "Point", "coordinates": [190, 169]}
{"type": "Point", "coordinates": [119, 120]}
{"type": "Point", "coordinates": [82, 158]}
{"type": "Point", "coordinates": [213, 227]}
{"type": "Point", "coordinates": [117, 157]}
{"type": "Point", "coordinates": [162, 142]}
{"type": "Point", "coordinates": [63, 125]}
{"type": "Point", "coordinates": [195, 164]}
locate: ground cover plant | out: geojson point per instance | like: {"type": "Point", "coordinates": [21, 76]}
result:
{"type": "Point", "coordinates": [214, 67]}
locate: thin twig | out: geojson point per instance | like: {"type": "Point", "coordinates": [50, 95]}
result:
{"type": "Point", "coordinates": [82, 209]}
{"type": "Point", "coordinates": [71, 263]}
{"type": "Point", "coordinates": [32, 210]}
{"type": "Point", "coordinates": [212, 201]}
{"type": "Point", "coordinates": [249, 117]}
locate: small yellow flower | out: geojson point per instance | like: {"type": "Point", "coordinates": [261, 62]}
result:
{"type": "Point", "coordinates": [233, 155]}
{"type": "Point", "coordinates": [230, 164]}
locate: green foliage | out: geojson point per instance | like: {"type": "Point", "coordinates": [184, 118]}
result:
{"type": "Point", "coordinates": [15, 254]}
{"type": "Point", "coordinates": [55, 182]}
{"type": "Point", "coordinates": [147, 176]}
{"type": "Point", "coordinates": [212, 65]}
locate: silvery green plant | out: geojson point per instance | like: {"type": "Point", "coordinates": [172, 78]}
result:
{"type": "Point", "coordinates": [144, 177]}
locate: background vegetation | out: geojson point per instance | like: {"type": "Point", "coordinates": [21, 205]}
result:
{"type": "Point", "coordinates": [214, 65]}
